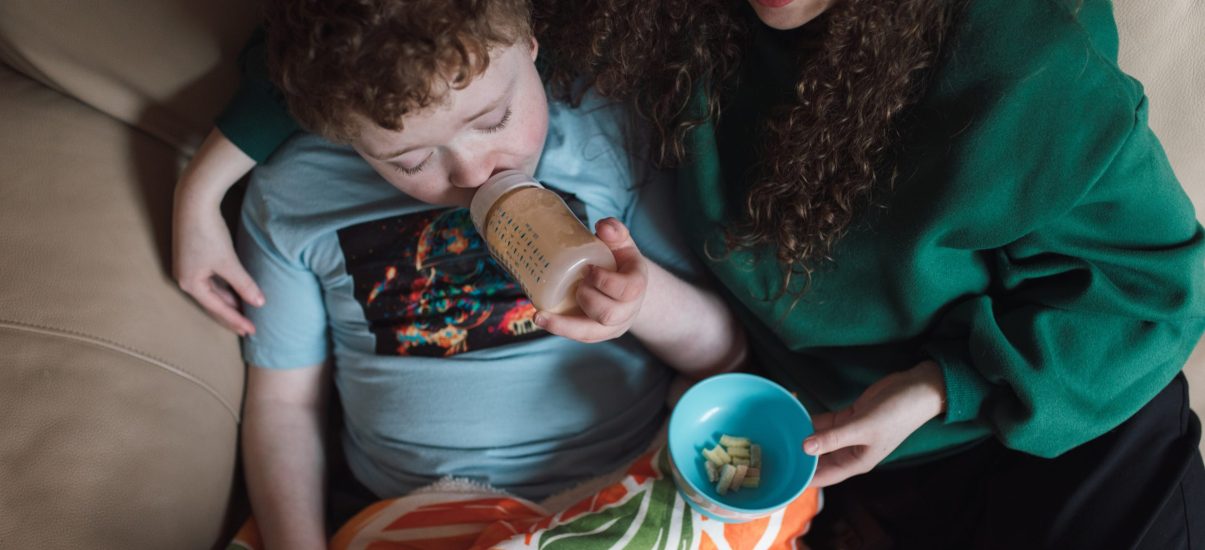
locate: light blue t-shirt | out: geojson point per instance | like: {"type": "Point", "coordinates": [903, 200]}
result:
{"type": "Point", "coordinates": [438, 365]}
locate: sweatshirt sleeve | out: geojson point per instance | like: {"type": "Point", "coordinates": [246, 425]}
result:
{"type": "Point", "coordinates": [1091, 313]}
{"type": "Point", "coordinates": [257, 120]}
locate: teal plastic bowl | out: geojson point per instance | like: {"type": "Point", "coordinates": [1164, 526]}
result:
{"type": "Point", "coordinates": [749, 406]}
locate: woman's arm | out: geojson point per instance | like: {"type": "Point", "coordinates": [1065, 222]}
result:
{"type": "Point", "coordinates": [283, 454]}
{"type": "Point", "coordinates": [202, 250]}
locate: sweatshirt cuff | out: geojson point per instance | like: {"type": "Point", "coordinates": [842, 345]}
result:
{"type": "Point", "coordinates": [256, 122]}
{"type": "Point", "coordinates": [966, 389]}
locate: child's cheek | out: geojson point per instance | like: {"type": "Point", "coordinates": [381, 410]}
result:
{"type": "Point", "coordinates": [532, 135]}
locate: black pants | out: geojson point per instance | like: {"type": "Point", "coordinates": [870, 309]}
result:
{"type": "Point", "coordinates": [1141, 485]}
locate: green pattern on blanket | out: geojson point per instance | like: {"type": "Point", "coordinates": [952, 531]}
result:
{"type": "Point", "coordinates": [652, 527]}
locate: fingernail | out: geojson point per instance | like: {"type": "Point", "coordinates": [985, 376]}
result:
{"type": "Point", "coordinates": [810, 446]}
{"type": "Point", "coordinates": [259, 301]}
{"type": "Point", "coordinates": [541, 320]}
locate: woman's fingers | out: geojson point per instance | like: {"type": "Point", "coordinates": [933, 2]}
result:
{"type": "Point", "coordinates": [834, 431]}
{"type": "Point", "coordinates": [855, 439]}
{"type": "Point", "coordinates": [242, 283]}
{"type": "Point", "coordinates": [225, 313]}
{"type": "Point", "coordinates": [838, 466]}
{"type": "Point", "coordinates": [225, 294]}
{"type": "Point", "coordinates": [842, 444]}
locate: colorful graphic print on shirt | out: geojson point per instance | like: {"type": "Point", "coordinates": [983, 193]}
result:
{"type": "Point", "coordinates": [429, 287]}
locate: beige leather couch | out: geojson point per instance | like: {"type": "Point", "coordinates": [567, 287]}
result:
{"type": "Point", "coordinates": [119, 399]}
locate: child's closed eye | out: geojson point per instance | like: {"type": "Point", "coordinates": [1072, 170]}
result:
{"type": "Point", "coordinates": [413, 170]}
{"type": "Point", "coordinates": [500, 125]}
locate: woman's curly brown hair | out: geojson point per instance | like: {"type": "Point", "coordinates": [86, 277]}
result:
{"type": "Point", "coordinates": [381, 59]}
{"type": "Point", "coordinates": [825, 156]}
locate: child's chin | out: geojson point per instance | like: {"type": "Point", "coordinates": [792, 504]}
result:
{"type": "Point", "coordinates": [461, 200]}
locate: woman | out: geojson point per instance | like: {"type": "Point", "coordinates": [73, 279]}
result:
{"type": "Point", "coordinates": [947, 227]}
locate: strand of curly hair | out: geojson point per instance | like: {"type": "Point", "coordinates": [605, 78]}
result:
{"type": "Point", "coordinates": [825, 157]}
{"type": "Point", "coordinates": [652, 54]}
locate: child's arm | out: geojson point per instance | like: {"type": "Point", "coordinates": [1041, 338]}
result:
{"type": "Point", "coordinates": [202, 250]}
{"type": "Point", "coordinates": [283, 454]}
{"type": "Point", "coordinates": [688, 327]}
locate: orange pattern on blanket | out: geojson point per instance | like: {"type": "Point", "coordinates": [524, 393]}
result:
{"type": "Point", "coordinates": [500, 531]}
{"type": "Point", "coordinates": [471, 511]}
{"type": "Point", "coordinates": [751, 530]}
{"type": "Point", "coordinates": [796, 518]}
{"type": "Point", "coordinates": [456, 542]}
{"type": "Point", "coordinates": [484, 521]}
{"type": "Point", "coordinates": [354, 525]}
{"type": "Point", "coordinates": [801, 512]}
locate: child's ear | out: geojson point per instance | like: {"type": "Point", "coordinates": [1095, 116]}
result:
{"type": "Point", "coordinates": [535, 48]}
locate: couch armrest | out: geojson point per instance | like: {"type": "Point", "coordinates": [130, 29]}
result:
{"type": "Point", "coordinates": [119, 398]}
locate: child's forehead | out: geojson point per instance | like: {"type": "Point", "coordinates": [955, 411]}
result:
{"type": "Point", "coordinates": [453, 107]}
{"type": "Point", "coordinates": [498, 79]}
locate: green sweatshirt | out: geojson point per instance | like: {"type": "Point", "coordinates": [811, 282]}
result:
{"type": "Point", "coordinates": [1037, 244]}
{"type": "Point", "coordinates": [257, 119]}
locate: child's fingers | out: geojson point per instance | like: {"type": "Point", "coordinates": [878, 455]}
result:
{"type": "Point", "coordinates": [625, 287]}
{"type": "Point", "coordinates": [604, 309]}
{"type": "Point", "coordinates": [614, 233]}
{"type": "Point", "coordinates": [573, 327]}
{"type": "Point", "coordinates": [616, 236]}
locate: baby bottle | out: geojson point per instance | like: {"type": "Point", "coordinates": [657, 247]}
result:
{"type": "Point", "coordinates": [537, 239]}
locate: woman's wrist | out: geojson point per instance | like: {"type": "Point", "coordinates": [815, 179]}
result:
{"type": "Point", "coordinates": [932, 385]}
{"type": "Point", "coordinates": [217, 165]}
{"type": "Point", "coordinates": [191, 191]}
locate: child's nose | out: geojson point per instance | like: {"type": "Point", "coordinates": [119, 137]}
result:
{"type": "Point", "coordinates": [472, 170]}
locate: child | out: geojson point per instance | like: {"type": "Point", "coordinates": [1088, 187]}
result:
{"type": "Point", "coordinates": [435, 353]}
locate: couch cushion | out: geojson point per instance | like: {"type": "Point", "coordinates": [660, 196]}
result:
{"type": "Point", "coordinates": [1161, 45]}
{"type": "Point", "coordinates": [119, 397]}
{"type": "Point", "coordinates": [165, 66]}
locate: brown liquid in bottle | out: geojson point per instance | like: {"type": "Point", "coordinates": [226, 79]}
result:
{"type": "Point", "coordinates": [537, 239]}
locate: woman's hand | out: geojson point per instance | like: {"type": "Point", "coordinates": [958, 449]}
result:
{"type": "Point", "coordinates": [610, 300]}
{"type": "Point", "coordinates": [203, 258]}
{"type": "Point", "coordinates": [852, 441]}
{"type": "Point", "coordinates": [204, 261]}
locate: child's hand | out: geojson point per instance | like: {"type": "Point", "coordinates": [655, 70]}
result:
{"type": "Point", "coordinates": [853, 441]}
{"type": "Point", "coordinates": [610, 299]}
{"type": "Point", "coordinates": [202, 257]}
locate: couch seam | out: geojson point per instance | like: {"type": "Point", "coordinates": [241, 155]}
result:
{"type": "Point", "coordinates": [127, 350]}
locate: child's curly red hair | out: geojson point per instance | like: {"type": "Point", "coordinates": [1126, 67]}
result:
{"type": "Point", "coordinates": [381, 59]}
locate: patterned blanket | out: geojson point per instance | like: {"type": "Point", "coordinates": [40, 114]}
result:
{"type": "Point", "coordinates": [643, 510]}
